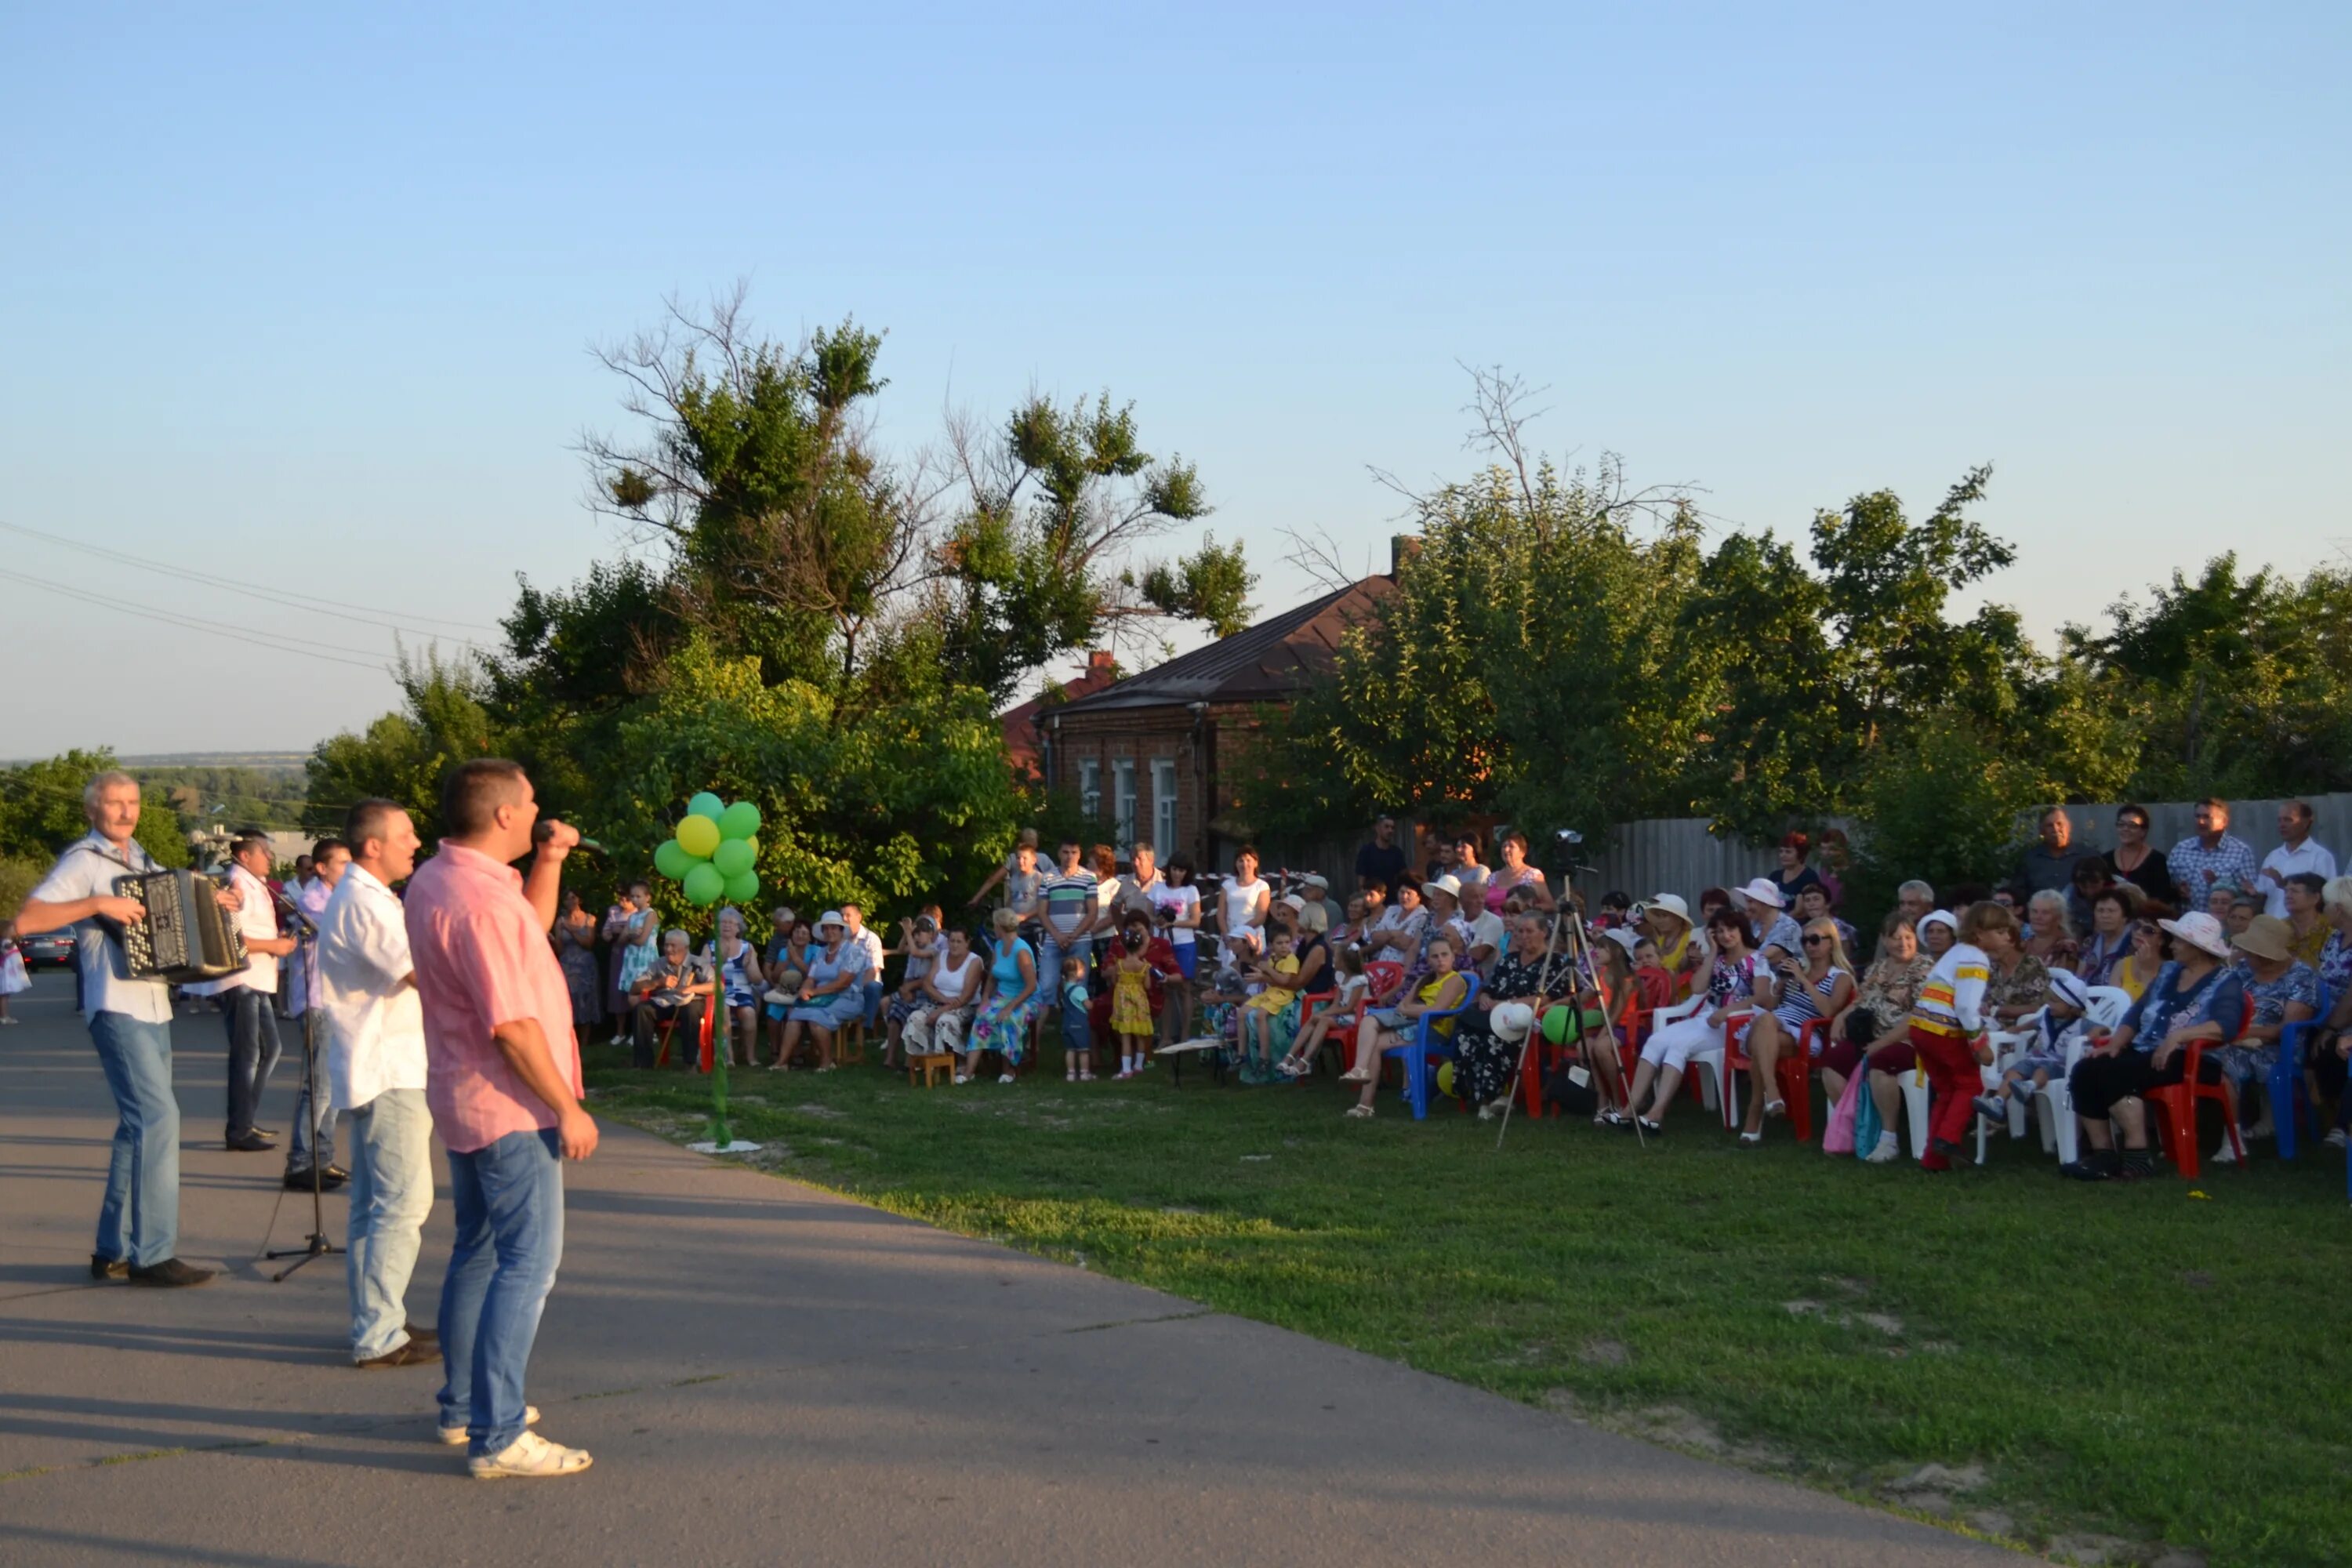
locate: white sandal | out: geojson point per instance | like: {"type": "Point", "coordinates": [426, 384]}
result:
{"type": "Point", "coordinates": [1006, 1078]}
{"type": "Point", "coordinates": [1358, 1113]}
{"type": "Point", "coordinates": [529, 1455]}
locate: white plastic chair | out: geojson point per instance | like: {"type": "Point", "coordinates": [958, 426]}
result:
{"type": "Point", "coordinates": [1709, 1093]}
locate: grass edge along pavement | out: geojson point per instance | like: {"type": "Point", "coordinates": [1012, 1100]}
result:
{"type": "Point", "coordinates": [1995, 1349]}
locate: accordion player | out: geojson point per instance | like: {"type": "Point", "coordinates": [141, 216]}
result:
{"type": "Point", "coordinates": [186, 936]}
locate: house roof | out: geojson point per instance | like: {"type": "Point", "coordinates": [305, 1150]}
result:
{"type": "Point", "coordinates": [1020, 722]}
{"type": "Point", "coordinates": [1267, 662]}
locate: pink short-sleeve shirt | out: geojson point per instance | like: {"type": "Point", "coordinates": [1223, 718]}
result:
{"type": "Point", "coordinates": [483, 959]}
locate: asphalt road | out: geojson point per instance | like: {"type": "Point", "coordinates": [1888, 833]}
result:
{"type": "Point", "coordinates": [765, 1373]}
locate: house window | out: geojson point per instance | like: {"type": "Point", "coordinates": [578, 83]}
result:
{"type": "Point", "coordinates": [1163, 807]}
{"type": "Point", "coordinates": [1090, 788]}
{"type": "Point", "coordinates": [1122, 794]}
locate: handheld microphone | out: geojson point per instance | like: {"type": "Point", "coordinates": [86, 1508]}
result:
{"type": "Point", "coordinates": [545, 831]}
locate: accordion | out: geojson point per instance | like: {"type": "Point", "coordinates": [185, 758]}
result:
{"type": "Point", "coordinates": [186, 936]}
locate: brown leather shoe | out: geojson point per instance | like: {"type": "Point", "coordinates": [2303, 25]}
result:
{"type": "Point", "coordinates": [409, 1353]}
{"type": "Point", "coordinates": [170, 1275]}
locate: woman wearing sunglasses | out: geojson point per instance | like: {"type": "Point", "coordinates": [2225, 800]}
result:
{"type": "Point", "coordinates": [1791, 996]}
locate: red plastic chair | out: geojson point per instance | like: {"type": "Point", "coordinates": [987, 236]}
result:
{"type": "Point", "coordinates": [669, 1027]}
{"type": "Point", "coordinates": [1793, 1073]}
{"type": "Point", "coordinates": [2177, 1103]}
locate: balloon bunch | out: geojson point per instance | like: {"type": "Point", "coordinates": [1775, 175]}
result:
{"type": "Point", "coordinates": [714, 851]}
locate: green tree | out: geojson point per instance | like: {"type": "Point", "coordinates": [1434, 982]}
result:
{"type": "Point", "coordinates": [403, 755]}
{"type": "Point", "coordinates": [1819, 669]}
{"type": "Point", "coordinates": [1942, 803]}
{"type": "Point", "coordinates": [41, 810]}
{"type": "Point", "coordinates": [788, 534]}
{"type": "Point", "coordinates": [887, 806]}
{"type": "Point", "coordinates": [2238, 684]}
{"type": "Point", "coordinates": [1530, 665]}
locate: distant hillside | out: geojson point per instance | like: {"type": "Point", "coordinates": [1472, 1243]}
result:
{"type": "Point", "coordinates": [258, 762]}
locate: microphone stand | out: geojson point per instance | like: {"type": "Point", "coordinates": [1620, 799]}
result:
{"type": "Point", "coordinates": [316, 1244]}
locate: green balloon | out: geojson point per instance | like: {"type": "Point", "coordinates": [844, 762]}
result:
{"type": "Point", "coordinates": [698, 835]}
{"type": "Point", "coordinates": [735, 855]}
{"type": "Point", "coordinates": [1554, 1024]}
{"type": "Point", "coordinates": [672, 860]}
{"type": "Point", "coordinates": [703, 885]}
{"type": "Point", "coordinates": [743, 888]}
{"type": "Point", "coordinates": [706, 804]}
{"type": "Point", "coordinates": [739, 821]}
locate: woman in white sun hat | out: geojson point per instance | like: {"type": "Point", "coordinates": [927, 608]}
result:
{"type": "Point", "coordinates": [1769, 913]}
{"type": "Point", "coordinates": [2195, 997]}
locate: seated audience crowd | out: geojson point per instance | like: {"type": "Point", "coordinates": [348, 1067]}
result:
{"type": "Point", "coordinates": [2089, 981]}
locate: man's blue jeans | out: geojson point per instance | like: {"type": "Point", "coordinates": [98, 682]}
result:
{"type": "Point", "coordinates": [392, 1192]}
{"type": "Point", "coordinates": [253, 1050]}
{"type": "Point", "coordinates": [314, 1114]}
{"type": "Point", "coordinates": [139, 1220]}
{"type": "Point", "coordinates": [509, 1202]}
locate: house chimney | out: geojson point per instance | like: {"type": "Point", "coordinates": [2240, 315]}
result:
{"type": "Point", "coordinates": [1099, 662]}
{"type": "Point", "coordinates": [1402, 547]}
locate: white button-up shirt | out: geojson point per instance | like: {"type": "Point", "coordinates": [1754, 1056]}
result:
{"type": "Point", "coordinates": [88, 870]}
{"type": "Point", "coordinates": [257, 917]}
{"type": "Point", "coordinates": [2311, 856]}
{"type": "Point", "coordinates": [375, 1021]}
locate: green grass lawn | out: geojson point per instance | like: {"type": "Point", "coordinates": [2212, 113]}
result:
{"type": "Point", "coordinates": [2130, 1360]}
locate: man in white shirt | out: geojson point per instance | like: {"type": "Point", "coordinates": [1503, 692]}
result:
{"type": "Point", "coordinates": [868, 942]}
{"type": "Point", "coordinates": [130, 1024]}
{"type": "Point", "coordinates": [314, 1116]}
{"type": "Point", "coordinates": [376, 1070]}
{"type": "Point", "coordinates": [2297, 851]}
{"type": "Point", "coordinates": [247, 998]}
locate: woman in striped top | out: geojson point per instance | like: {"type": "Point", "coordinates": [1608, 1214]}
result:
{"type": "Point", "coordinates": [1792, 995]}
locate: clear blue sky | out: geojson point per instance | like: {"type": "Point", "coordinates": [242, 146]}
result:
{"type": "Point", "coordinates": [305, 298]}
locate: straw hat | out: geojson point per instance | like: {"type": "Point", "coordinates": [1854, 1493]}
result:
{"type": "Point", "coordinates": [1762, 891]}
{"type": "Point", "coordinates": [1672, 904]}
{"type": "Point", "coordinates": [2267, 937]}
{"type": "Point", "coordinates": [2199, 930]}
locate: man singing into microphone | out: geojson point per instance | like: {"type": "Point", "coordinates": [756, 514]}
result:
{"type": "Point", "coordinates": [376, 1069]}
{"type": "Point", "coordinates": [503, 1083]}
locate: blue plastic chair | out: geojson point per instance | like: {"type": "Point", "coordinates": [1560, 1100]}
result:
{"type": "Point", "coordinates": [1427, 1047]}
{"type": "Point", "coordinates": [2288, 1098]}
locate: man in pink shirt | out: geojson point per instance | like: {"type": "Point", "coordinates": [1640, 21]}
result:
{"type": "Point", "coordinates": [502, 1078]}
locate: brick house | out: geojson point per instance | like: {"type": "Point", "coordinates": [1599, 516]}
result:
{"type": "Point", "coordinates": [1143, 755]}
{"type": "Point", "coordinates": [1024, 736]}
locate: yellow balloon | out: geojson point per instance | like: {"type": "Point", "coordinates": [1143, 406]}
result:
{"type": "Point", "coordinates": [698, 835]}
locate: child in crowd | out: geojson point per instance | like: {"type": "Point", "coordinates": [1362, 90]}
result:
{"type": "Point", "coordinates": [1130, 1002]}
{"type": "Point", "coordinates": [2046, 1053]}
{"type": "Point", "coordinates": [1077, 1035]}
{"type": "Point", "coordinates": [13, 977]}
{"type": "Point", "coordinates": [1339, 1017]}
{"type": "Point", "coordinates": [1265, 1004]}
{"type": "Point", "coordinates": [1652, 981]}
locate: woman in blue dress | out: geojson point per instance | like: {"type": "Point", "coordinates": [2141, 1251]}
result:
{"type": "Point", "coordinates": [1002, 1023]}
{"type": "Point", "coordinates": [832, 994]}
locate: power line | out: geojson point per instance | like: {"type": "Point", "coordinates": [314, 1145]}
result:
{"type": "Point", "coordinates": [281, 644]}
{"type": "Point", "coordinates": [232, 584]}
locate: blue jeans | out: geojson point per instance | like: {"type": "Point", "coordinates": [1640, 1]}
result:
{"type": "Point", "coordinates": [314, 1114]}
{"type": "Point", "coordinates": [392, 1192]}
{"type": "Point", "coordinates": [509, 1200]}
{"type": "Point", "coordinates": [253, 1051]}
{"type": "Point", "coordinates": [873, 993]}
{"type": "Point", "coordinates": [139, 1220]}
